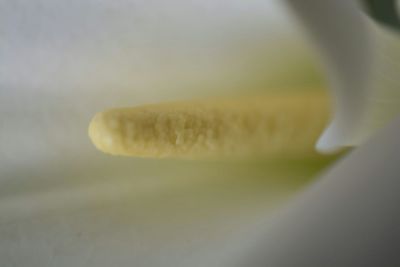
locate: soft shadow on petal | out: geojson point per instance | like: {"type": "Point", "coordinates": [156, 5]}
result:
{"type": "Point", "coordinates": [142, 211]}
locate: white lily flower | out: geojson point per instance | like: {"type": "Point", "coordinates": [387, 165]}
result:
{"type": "Point", "coordinates": [62, 203]}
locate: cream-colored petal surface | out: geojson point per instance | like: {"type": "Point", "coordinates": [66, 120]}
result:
{"type": "Point", "coordinates": [122, 211]}
{"type": "Point", "coordinates": [62, 203]}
